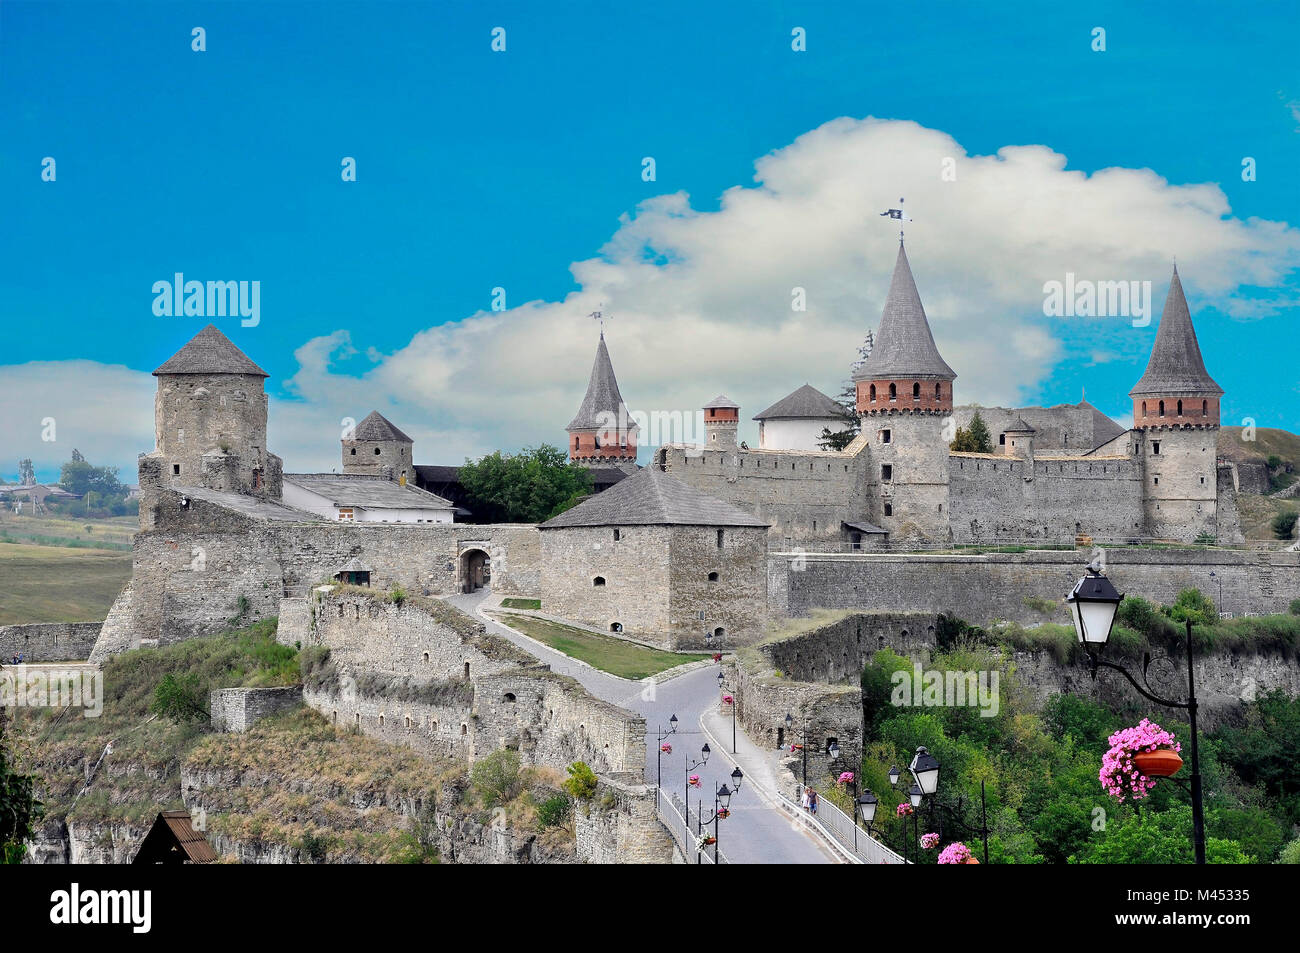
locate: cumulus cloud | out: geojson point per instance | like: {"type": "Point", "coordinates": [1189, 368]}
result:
{"type": "Point", "coordinates": [702, 299]}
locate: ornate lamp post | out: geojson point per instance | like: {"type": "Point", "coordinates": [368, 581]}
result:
{"type": "Point", "coordinates": [722, 693]}
{"type": "Point", "coordinates": [1093, 602]}
{"type": "Point", "coordinates": [803, 741]}
{"type": "Point", "coordinates": [691, 765]}
{"type": "Point", "coordinates": [864, 807]}
{"type": "Point", "coordinates": [659, 755]}
{"type": "Point", "coordinates": [721, 809]}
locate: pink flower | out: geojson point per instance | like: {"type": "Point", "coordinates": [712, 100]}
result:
{"type": "Point", "coordinates": [693, 780]}
{"type": "Point", "coordinates": [1119, 776]}
{"type": "Point", "coordinates": [666, 748]}
{"type": "Point", "coordinates": [929, 841]}
{"type": "Point", "coordinates": [846, 777]}
{"type": "Point", "coordinates": [904, 809]}
{"type": "Point", "coordinates": [954, 853]}
{"type": "Point", "coordinates": [728, 699]}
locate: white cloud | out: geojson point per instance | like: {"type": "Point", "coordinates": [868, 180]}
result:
{"type": "Point", "coordinates": [702, 299]}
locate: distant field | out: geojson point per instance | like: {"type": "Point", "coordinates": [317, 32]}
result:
{"type": "Point", "coordinates": [59, 584]}
{"type": "Point", "coordinates": [113, 533]}
{"type": "Point", "coordinates": [1269, 441]}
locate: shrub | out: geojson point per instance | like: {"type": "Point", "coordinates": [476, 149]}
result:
{"type": "Point", "coordinates": [496, 778]}
{"type": "Point", "coordinates": [553, 812]}
{"type": "Point", "coordinates": [581, 782]}
{"type": "Point", "coordinates": [1040, 604]}
{"type": "Point", "coordinates": [1193, 606]}
{"type": "Point", "coordinates": [397, 595]}
{"type": "Point", "coordinates": [1284, 524]}
{"type": "Point", "coordinates": [1295, 607]}
{"type": "Point", "coordinates": [179, 698]}
{"type": "Point", "coordinates": [1290, 853]}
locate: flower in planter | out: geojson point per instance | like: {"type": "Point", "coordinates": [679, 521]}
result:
{"type": "Point", "coordinates": [796, 747]}
{"type": "Point", "coordinates": [904, 809]}
{"type": "Point", "coordinates": [954, 853]}
{"type": "Point", "coordinates": [666, 748]}
{"type": "Point", "coordinates": [728, 699]}
{"type": "Point", "coordinates": [693, 780]}
{"type": "Point", "coordinates": [717, 656]}
{"type": "Point", "coordinates": [1120, 775]}
{"type": "Point", "coordinates": [846, 777]}
{"type": "Point", "coordinates": [724, 813]}
{"type": "Point", "coordinates": [704, 841]}
{"type": "Point", "coordinates": [929, 841]}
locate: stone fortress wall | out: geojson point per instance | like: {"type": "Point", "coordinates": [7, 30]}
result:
{"type": "Point", "coordinates": [48, 641]}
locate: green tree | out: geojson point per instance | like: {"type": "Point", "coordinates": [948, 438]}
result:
{"type": "Point", "coordinates": [496, 778]}
{"type": "Point", "coordinates": [526, 487]}
{"type": "Point", "coordinates": [180, 698]}
{"type": "Point", "coordinates": [1284, 524]}
{"type": "Point", "coordinates": [20, 810]}
{"type": "Point", "coordinates": [581, 782]}
{"type": "Point", "coordinates": [979, 434]}
{"type": "Point", "coordinates": [1194, 606]}
{"type": "Point", "coordinates": [1156, 837]}
{"type": "Point", "coordinates": [78, 476]}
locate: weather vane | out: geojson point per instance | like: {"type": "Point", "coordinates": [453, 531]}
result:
{"type": "Point", "coordinates": [600, 316]}
{"type": "Point", "coordinates": [897, 213]}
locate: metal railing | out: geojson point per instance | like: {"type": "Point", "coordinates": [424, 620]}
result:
{"type": "Point", "coordinates": [842, 828]}
{"type": "Point", "coordinates": [672, 815]}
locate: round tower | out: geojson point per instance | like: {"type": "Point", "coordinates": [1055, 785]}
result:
{"type": "Point", "coordinates": [1176, 417]}
{"type": "Point", "coordinates": [721, 423]}
{"type": "Point", "coordinates": [904, 396]}
{"type": "Point", "coordinates": [378, 448]}
{"type": "Point", "coordinates": [603, 433]}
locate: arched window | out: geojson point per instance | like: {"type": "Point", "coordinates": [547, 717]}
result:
{"type": "Point", "coordinates": [893, 392]}
{"type": "Point", "coordinates": [1144, 408]}
{"type": "Point", "coordinates": [1180, 408]}
{"type": "Point", "coordinates": [713, 577]}
{"type": "Point", "coordinates": [510, 697]}
{"type": "Point", "coordinates": [598, 581]}
{"type": "Point", "coordinates": [873, 393]}
{"type": "Point", "coordinates": [616, 627]}
{"type": "Point", "coordinates": [916, 390]}
{"type": "Point", "coordinates": [938, 391]}
{"type": "Point", "coordinates": [719, 632]}
{"type": "Point", "coordinates": [376, 451]}
{"type": "Point", "coordinates": [1162, 408]}
{"type": "Point", "coordinates": [1205, 408]}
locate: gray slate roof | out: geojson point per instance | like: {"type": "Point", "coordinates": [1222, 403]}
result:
{"type": "Point", "coordinates": [210, 352]}
{"type": "Point", "coordinates": [720, 402]}
{"type": "Point", "coordinates": [806, 402]}
{"type": "Point", "coordinates": [602, 397]}
{"type": "Point", "coordinates": [378, 427]}
{"type": "Point", "coordinates": [652, 498]}
{"type": "Point", "coordinates": [1019, 425]}
{"type": "Point", "coordinates": [1176, 366]}
{"type": "Point", "coordinates": [904, 345]}
{"type": "Point", "coordinates": [369, 492]}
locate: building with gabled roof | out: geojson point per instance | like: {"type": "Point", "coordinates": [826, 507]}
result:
{"type": "Point", "coordinates": [657, 559]}
{"type": "Point", "coordinates": [796, 421]}
{"type": "Point", "coordinates": [360, 498]}
{"type": "Point", "coordinates": [173, 840]}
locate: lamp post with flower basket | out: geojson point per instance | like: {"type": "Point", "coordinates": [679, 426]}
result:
{"type": "Point", "coordinates": [721, 809]}
{"type": "Point", "coordinates": [1093, 603]}
{"type": "Point", "coordinates": [692, 779]}
{"type": "Point", "coordinates": [729, 700]}
{"type": "Point", "coordinates": [664, 748]}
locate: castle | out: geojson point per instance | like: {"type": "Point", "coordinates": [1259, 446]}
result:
{"type": "Point", "coordinates": [1057, 474]}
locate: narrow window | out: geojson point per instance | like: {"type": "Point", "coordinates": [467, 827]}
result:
{"type": "Point", "coordinates": [885, 436]}
{"type": "Point", "coordinates": [1205, 408]}
{"type": "Point", "coordinates": [886, 472]}
{"type": "Point", "coordinates": [1144, 408]}
{"type": "Point", "coordinates": [617, 535]}
{"type": "Point", "coordinates": [176, 469]}
{"type": "Point", "coordinates": [1162, 408]}
{"type": "Point", "coordinates": [720, 539]}
{"type": "Point", "coordinates": [873, 393]}
{"type": "Point", "coordinates": [916, 391]}
{"type": "Point", "coordinates": [1155, 447]}
{"type": "Point", "coordinates": [598, 581]}
{"type": "Point", "coordinates": [893, 392]}
{"type": "Point", "coordinates": [1180, 408]}
{"type": "Point", "coordinates": [938, 392]}
{"type": "Point", "coordinates": [467, 669]}
{"type": "Point", "coordinates": [889, 509]}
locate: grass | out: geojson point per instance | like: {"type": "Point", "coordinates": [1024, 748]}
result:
{"type": "Point", "coordinates": [1257, 513]}
{"type": "Point", "coordinates": [115, 532]}
{"type": "Point", "coordinates": [521, 603]}
{"type": "Point", "coordinates": [59, 584]}
{"type": "Point", "coordinates": [616, 656]}
{"type": "Point", "coordinates": [1269, 441]}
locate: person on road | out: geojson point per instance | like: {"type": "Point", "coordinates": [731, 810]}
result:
{"type": "Point", "coordinates": [806, 801]}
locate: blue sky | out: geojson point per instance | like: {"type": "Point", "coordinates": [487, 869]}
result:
{"type": "Point", "coordinates": [479, 170]}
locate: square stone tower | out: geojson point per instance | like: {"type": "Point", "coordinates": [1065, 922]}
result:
{"type": "Point", "coordinates": [378, 448]}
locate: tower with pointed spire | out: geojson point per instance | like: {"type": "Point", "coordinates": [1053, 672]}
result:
{"type": "Point", "coordinates": [904, 396]}
{"type": "Point", "coordinates": [1176, 419]}
{"type": "Point", "coordinates": [603, 433]}
{"type": "Point", "coordinates": [721, 423]}
{"type": "Point", "coordinates": [376, 447]}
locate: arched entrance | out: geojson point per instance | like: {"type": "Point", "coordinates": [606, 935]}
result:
{"type": "Point", "coordinates": [474, 571]}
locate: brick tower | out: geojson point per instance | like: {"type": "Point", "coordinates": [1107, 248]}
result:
{"type": "Point", "coordinates": [721, 423]}
{"type": "Point", "coordinates": [1176, 414]}
{"type": "Point", "coordinates": [904, 395]}
{"type": "Point", "coordinates": [603, 433]}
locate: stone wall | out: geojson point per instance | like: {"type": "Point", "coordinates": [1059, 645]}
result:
{"type": "Point", "coordinates": [237, 709]}
{"type": "Point", "coordinates": [48, 641]}
{"type": "Point", "coordinates": [982, 588]}
{"type": "Point", "coordinates": [624, 829]}
{"type": "Point", "coordinates": [1003, 499]}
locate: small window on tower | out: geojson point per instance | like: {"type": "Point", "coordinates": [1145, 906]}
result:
{"type": "Point", "coordinates": [617, 534]}
{"type": "Point", "coordinates": [893, 392]}
{"type": "Point", "coordinates": [720, 539]}
{"type": "Point", "coordinates": [886, 472]}
{"type": "Point", "coordinates": [885, 436]}
{"type": "Point", "coordinates": [916, 391]}
{"type": "Point", "coordinates": [889, 509]}
{"type": "Point", "coordinates": [353, 451]}
{"type": "Point", "coordinates": [376, 451]}
{"type": "Point", "coordinates": [176, 468]}
{"type": "Point", "coordinates": [1155, 447]}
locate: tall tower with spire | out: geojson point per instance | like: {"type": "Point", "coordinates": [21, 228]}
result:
{"type": "Point", "coordinates": [603, 433]}
{"type": "Point", "coordinates": [1176, 414]}
{"type": "Point", "coordinates": [904, 396]}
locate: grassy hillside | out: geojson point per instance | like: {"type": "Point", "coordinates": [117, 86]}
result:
{"type": "Point", "coordinates": [1280, 446]}
{"type": "Point", "coordinates": [59, 584]}
{"type": "Point", "coordinates": [1257, 514]}
{"type": "Point", "coordinates": [113, 533]}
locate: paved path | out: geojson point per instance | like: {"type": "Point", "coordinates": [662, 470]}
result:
{"type": "Point", "coordinates": [756, 832]}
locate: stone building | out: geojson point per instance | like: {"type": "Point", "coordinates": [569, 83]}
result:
{"type": "Point", "coordinates": [1056, 472]}
{"type": "Point", "coordinates": [660, 561]}
{"type": "Point", "coordinates": [377, 448]}
{"type": "Point", "coordinates": [721, 423]}
{"type": "Point", "coordinates": [796, 421]}
{"type": "Point", "coordinates": [603, 434]}
{"type": "Point", "coordinates": [364, 499]}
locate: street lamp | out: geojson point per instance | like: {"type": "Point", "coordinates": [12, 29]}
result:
{"type": "Point", "coordinates": [803, 741]}
{"type": "Point", "coordinates": [1094, 603]}
{"type": "Point", "coordinates": [721, 809]}
{"type": "Point", "coordinates": [722, 692]}
{"type": "Point", "coordinates": [691, 765]}
{"type": "Point", "coordinates": [864, 806]}
{"type": "Point", "coordinates": [1219, 605]}
{"type": "Point", "coordinates": [659, 755]}
{"type": "Point", "coordinates": [925, 768]}
{"type": "Point", "coordinates": [893, 775]}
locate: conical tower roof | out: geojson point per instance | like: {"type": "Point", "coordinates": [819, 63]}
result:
{"type": "Point", "coordinates": [904, 346]}
{"type": "Point", "coordinates": [1176, 365]}
{"type": "Point", "coordinates": [210, 352]}
{"type": "Point", "coordinates": [378, 427]}
{"type": "Point", "coordinates": [603, 397]}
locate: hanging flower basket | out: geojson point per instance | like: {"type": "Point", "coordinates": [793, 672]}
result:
{"type": "Point", "coordinates": [666, 748]}
{"type": "Point", "coordinates": [724, 813]}
{"type": "Point", "coordinates": [846, 777]}
{"type": "Point", "coordinates": [728, 699]}
{"type": "Point", "coordinates": [1161, 763]}
{"type": "Point", "coordinates": [929, 841]}
{"type": "Point", "coordinates": [796, 747]}
{"type": "Point", "coordinates": [717, 656]}
{"type": "Point", "coordinates": [956, 853]}
{"type": "Point", "coordinates": [1122, 775]}
{"type": "Point", "coordinates": [904, 810]}
{"type": "Point", "coordinates": [693, 780]}
{"type": "Point", "coordinates": [705, 841]}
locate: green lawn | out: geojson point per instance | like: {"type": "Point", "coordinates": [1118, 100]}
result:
{"type": "Point", "coordinates": [616, 656]}
{"type": "Point", "coordinates": [59, 584]}
{"type": "Point", "coordinates": [521, 603]}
